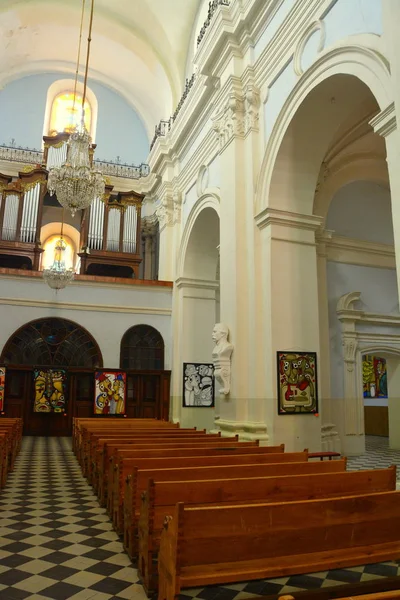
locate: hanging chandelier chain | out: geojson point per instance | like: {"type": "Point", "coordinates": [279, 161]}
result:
{"type": "Point", "coordinates": [78, 60]}
{"type": "Point", "coordinates": [87, 59]}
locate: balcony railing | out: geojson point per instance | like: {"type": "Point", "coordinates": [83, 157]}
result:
{"type": "Point", "coordinates": [165, 126]}
{"type": "Point", "coordinates": [109, 168]}
{"type": "Point", "coordinates": [212, 7]}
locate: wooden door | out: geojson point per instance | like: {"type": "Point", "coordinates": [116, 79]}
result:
{"type": "Point", "coordinates": [148, 394]}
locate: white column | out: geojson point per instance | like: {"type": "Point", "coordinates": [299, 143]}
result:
{"type": "Point", "coordinates": [289, 313]}
{"type": "Point", "coordinates": [236, 126]}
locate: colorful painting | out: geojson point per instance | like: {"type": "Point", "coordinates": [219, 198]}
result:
{"type": "Point", "coordinates": [374, 377]}
{"type": "Point", "coordinates": [2, 387]}
{"type": "Point", "coordinates": [198, 385]}
{"type": "Point", "coordinates": [50, 390]}
{"type": "Point", "coordinates": [110, 390]}
{"type": "Point", "coordinates": [297, 383]}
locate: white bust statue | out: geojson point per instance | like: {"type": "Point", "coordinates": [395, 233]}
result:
{"type": "Point", "coordinates": [221, 356]}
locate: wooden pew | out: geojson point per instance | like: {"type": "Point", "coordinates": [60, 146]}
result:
{"type": "Point", "coordinates": [81, 429]}
{"type": "Point", "coordinates": [161, 497]}
{"type": "Point", "coordinates": [92, 436]}
{"type": "Point", "coordinates": [108, 460]}
{"type": "Point", "coordinates": [214, 545]}
{"type": "Point", "coordinates": [115, 501]}
{"type": "Point", "coordinates": [98, 443]}
{"type": "Point", "coordinates": [137, 482]}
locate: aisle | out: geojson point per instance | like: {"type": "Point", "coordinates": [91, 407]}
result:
{"type": "Point", "coordinates": [56, 543]}
{"type": "Point", "coordinates": [55, 540]}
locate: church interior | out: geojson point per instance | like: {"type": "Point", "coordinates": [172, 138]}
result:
{"type": "Point", "coordinates": [199, 299]}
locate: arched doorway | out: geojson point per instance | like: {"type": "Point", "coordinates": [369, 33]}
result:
{"type": "Point", "coordinates": [196, 303]}
{"type": "Point", "coordinates": [147, 383]}
{"type": "Point", "coordinates": [47, 345]}
{"type": "Point", "coordinates": [324, 126]}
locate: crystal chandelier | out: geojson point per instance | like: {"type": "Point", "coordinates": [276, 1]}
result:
{"type": "Point", "coordinates": [58, 276]}
{"type": "Point", "coordinates": [75, 183]}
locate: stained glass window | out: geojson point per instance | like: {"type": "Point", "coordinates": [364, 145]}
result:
{"type": "Point", "coordinates": [66, 114]}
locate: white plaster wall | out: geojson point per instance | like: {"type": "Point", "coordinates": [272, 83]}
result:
{"type": "Point", "coordinates": [278, 92]}
{"type": "Point", "coordinates": [273, 26]}
{"type": "Point", "coordinates": [188, 203]}
{"type": "Point", "coordinates": [350, 17]}
{"type": "Point", "coordinates": [85, 304]}
{"type": "Point", "coordinates": [369, 200]}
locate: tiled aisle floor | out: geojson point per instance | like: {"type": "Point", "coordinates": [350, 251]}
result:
{"type": "Point", "coordinates": [57, 543]}
{"type": "Point", "coordinates": [55, 540]}
{"type": "Point", "coordinates": [378, 456]}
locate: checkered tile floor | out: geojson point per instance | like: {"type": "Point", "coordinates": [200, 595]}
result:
{"type": "Point", "coordinates": [378, 456]}
{"type": "Point", "coordinates": [56, 543]}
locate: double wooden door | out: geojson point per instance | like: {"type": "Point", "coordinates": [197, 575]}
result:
{"type": "Point", "coordinates": [147, 396]}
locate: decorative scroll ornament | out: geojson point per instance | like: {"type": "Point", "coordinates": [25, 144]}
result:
{"type": "Point", "coordinates": [58, 276]}
{"type": "Point", "coordinates": [177, 200]}
{"type": "Point", "coordinates": [164, 211]}
{"type": "Point", "coordinates": [75, 183]}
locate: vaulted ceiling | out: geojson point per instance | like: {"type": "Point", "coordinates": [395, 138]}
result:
{"type": "Point", "coordinates": [139, 47]}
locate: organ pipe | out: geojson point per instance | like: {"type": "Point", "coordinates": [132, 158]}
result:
{"type": "Point", "coordinates": [10, 219]}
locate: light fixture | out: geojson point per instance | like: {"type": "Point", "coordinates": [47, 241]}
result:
{"type": "Point", "coordinates": [58, 276]}
{"type": "Point", "coordinates": [75, 183]}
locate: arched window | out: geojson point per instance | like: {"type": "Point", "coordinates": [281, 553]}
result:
{"type": "Point", "coordinates": [142, 349]}
{"type": "Point", "coordinates": [52, 342]}
{"type": "Point", "coordinates": [49, 253]}
{"type": "Point", "coordinates": [66, 113]}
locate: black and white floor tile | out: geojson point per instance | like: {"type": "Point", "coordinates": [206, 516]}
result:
{"type": "Point", "coordinates": [378, 456]}
{"type": "Point", "coordinates": [57, 543]}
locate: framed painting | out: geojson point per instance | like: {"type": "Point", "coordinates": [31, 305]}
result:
{"type": "Point", "coordinates": [297, 383]}
{"type": "Point", "coordinates": [198, 385]}
{"type": "Point", "coordinates": [2, 387]}
{"type": "Point", "coordinates": [110, 393]}
{"type": "Point", "coordinates": [374, 376]}
{"type": "Point", "coordinates": [50, 390]}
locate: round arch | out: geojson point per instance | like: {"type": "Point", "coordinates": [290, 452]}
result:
{"type": "Point", "coordinates": [352, 60]}
{"type": "Point", "coordinates": [52, 341]}
{"type": "Point", "coordinates": [142, 348]}
{"type": "Point", "coordinates": [209, 200]}
{"type": "Point", "coordinates": [365, 168]}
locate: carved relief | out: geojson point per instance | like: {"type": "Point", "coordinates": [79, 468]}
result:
{"type": "Point", "coordinates": [164, 211]}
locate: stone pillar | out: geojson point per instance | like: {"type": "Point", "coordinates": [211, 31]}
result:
{"type": "Point", "coordinates": [193, 310]}
{"type": "Point", "coordinates": [330, 440]}
{"type": "Point", "coordinates": [165, 216]}
{"type": "Point", "coordinates": [236, 127]}
{"type": "Point", "coordinates": [149, 229]}
{"type": "Point", "coordinates": [289, 314]}
{"type": "Point", "coordinates": [354, 438]}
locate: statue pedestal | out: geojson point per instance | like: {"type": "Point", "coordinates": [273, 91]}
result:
{"type": "Point", "coordinates": [247, 431]}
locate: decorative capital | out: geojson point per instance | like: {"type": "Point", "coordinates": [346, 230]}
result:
{"type": "Point", "coordinates": [164, 212]}
{"type": "Point", "coordinates": [149, 226]}
{"type": "Point", "coordinates": [349, 347]}
{"type": "Point", "coordinates": [239, 115]}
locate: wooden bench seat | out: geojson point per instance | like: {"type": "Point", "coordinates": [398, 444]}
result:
{"type": "Point", "coordinates": [214, 545]}
{"type": "Point", "coordinates": [115, 500]}
{"type": "Point", "coordinates": [161, 497]}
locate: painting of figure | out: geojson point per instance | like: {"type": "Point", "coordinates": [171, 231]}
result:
{"type": "Point", "coordinates": [50, 390]}
{"type": "Point", "coordinates": [2, 387]}
{"type": "Point", "coordinates": [297, 383]}
{"type": "Point", "coordinates": [198, 385]}
{"type": "Point", "coordinates": [374, 376]}
{"type": "Point", "coordinates": [110, 387]}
